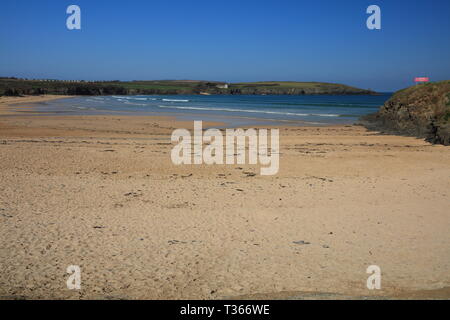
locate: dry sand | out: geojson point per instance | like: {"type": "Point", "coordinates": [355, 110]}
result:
{"type": "Point", "coordinates": [101, 192]}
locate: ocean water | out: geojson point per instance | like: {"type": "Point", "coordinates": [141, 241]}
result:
{"type": "Point", "coordinates": [233, 110]}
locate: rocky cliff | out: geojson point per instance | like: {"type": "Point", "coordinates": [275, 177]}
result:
{"type": "Point", "coordinates": [422, 111]}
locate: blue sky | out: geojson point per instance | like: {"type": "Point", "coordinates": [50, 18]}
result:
{"type": "Point", "coordinates": [243, 40]}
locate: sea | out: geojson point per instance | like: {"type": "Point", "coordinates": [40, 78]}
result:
{"type": "Point", "coordinates": [232, 110]}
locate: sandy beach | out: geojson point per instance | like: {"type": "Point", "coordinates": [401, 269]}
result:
{"type": "Point", "coordinates": [101, 192]}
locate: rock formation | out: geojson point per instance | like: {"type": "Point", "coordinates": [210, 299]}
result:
{"type": "Point", "coordinates": [422, 111]}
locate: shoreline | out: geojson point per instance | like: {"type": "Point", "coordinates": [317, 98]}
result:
{"type": "Point", "coordinates": [7, 102]}
{"type": "Point", "coordinates": [101, 192]}
{"type": "Point", "coordinates": [241, 117]}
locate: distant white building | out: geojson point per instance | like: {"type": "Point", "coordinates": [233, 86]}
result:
{"type": "Point", "coordinates": [222, 86]}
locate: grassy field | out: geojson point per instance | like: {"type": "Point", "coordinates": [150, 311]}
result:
{"type": "Point", "coordinates": [290, 85]}
{"type": "Point", "coordinates": [12, 86]}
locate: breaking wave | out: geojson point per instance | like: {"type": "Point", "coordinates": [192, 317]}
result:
{"type": "Point", "coordinates": [252, 111]}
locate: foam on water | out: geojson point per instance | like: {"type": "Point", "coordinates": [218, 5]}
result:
{"type": "Point", "coordinates": [175, 100]}
{"type": "Point", "coordinates": [250, 111]}
{"type": "Point", "coordinates": [305, 109]}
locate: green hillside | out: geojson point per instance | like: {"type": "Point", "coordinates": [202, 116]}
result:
{"type": "Point", "coordinates": [13, 86]}
{"type": "Point", "coordinates": [295, 88]}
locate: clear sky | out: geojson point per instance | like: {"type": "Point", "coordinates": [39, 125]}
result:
{"type": "Point", "coordinates": [243, 40]}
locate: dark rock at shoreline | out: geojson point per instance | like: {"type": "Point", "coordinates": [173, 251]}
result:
{"type": "Point", "coordinates": [422, 111]}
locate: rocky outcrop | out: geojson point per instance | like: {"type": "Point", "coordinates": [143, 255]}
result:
{"type": "Point", "coordinates": [422, 111]}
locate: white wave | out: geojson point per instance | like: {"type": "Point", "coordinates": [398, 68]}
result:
{"type": "Point", "coordinates": [122, 98]}
{"type": "Point", "coordinates": [325, 115]}
{"type": "Point", "coordinates": [95, 100]}
{"type": "Point", "coordinates": [135, 104]}
{"type": "Point", "coordinates": [251, 111]}
{"type": "Point", "coordinates": [175, 100]}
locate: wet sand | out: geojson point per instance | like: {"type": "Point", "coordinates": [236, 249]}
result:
{"type": "Point", "coordinates": [23, 104]}
{"type": "Point", "coordinates": [101, 192]}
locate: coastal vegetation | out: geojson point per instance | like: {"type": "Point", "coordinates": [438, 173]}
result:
{"type": "Point", "coordinates": [422, 110]}
{"type": "Point", "coordinates": [17, 87]}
